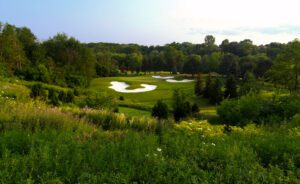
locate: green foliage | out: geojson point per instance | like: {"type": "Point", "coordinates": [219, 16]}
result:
{"type": "Point", "coordinates": [255, 108]}
{"type": "Point", "coordinates": [231, 87]}
{"type": "Point", "coordinates": [195, 108]}
{"type": "Point", "coordinates": [192, 65]}
{"type": "Point", "coordinates": [160, 110]}
{"type": "Point", "coordinates": [215, 91]}
{"type": "Point", "coordinates": [249, 84]}
{"type": "Point", "coordinates": [181, 107]}
{"type": "Point", "coordinates": [53, 95]}
{"type": "Point", "coordinates": [43, 145]}
{"type": "Point", "coordinates": [36, 90]}
{"type": "Point", "coordinates": [208, 82]}
{"type": "Point", "coordinates": [287, 68]}
{"type": "Point", "coordinates": [98, 100]}
{"type": "Point", "coordinates": [199, 85]}
{"type": "Point", "coordinates": [3, 69]}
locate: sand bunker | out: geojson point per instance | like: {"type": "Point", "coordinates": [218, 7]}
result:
{"type": "Point", "coordinates": [179, 81]}
{"type": "Point", "coordinates": [162, 77]}
{"type": "Point", "coordinates": [122, 87]}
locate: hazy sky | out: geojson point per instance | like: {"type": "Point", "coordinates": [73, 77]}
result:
{"type": "Point", "coordinates": [157, 21]}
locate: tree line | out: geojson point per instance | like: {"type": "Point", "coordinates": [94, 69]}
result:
{"type": "Point", "coordinates": [65, 61]}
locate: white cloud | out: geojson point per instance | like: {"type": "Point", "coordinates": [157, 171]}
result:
{"type": "Point", "coordinates": [263, 21]}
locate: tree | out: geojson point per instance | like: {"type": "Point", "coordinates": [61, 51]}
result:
{"type": "Point", "coordinates": [206, 92]}
{"type": "Point", "coordinates": [209, 45]}
{"type": "Point", "coordinates": [263, 65]}
{"type": "Point", "coordinates": [199, 85]}
{"type": "Point", "coordinates": [231, 87]}
{"type": "Point", "coordinates": [209, 40]}
{"type": "Point", "coordinates": [28, 40]}
{"type": "Point", "coordinates": [230, 65]}
{"type": "Point", "coordinates": [192, 66]}
{"type": "Point", "coordinates": [134, 61]}
{"type": "Point", "coordinates": [12, 50]}
{"type": "Point", "coordinates": [249, 84]}
{"type": "Point", "coordinates": [181, 107]}
{"type": "Point", "coordinates": [73, 62]}
{"type": "Point", "coordinates": [173, 58]}
{"type": "Point", "coordinates": [290, 61]}
{"type": "Point", "coordinates": [216, 95]}
{"type": "Point", "coordinates": [160, 110]}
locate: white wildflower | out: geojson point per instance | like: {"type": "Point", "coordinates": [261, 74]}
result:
{"type": "Point", "coordinates": [213, 144]}
{"type": "Point", "coordinates": [158, 149]}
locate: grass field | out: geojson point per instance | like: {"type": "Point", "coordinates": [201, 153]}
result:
{"type": "Point", "coordinates": [146, 100]}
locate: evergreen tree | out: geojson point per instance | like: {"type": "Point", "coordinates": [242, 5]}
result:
{"type": "Point", "coordinates": [181, 107]}
{"type": "Point", "coordinates": [208, 81]}
{"type": "Point", "coordinates": [230, 87]}
{"type": "Point", "coordinates": [216, 94]}
{"type": "Point", "coordinates": [198, 85]}
{"type": "Point", "coordinates": [160, 110]}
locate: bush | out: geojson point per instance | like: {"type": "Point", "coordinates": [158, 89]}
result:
{"type": "Point", "coordinates": [257, 109]}
{"type": "Point", "coordinates": [195, 108]}
{"type": "Point", "coordinates": [181, 107]}
{"type": "Point", "coordinates": [215, 91]}
{"type": "Point", "coordinates": [36, 90]}
{"type": "Point", "coordinates": [241, 111]}
{"type": "Point", "coordinates": [99, 101]}
{"type": "Point", "coordinates": [160, 110]}
{"type": "Point", "coordinates": [198, 85]}
{"type": "Point", "coordinates": [53, 97]}
{"type": "Point", "coordinates": [231, 87]}
{"type": "Point", "coordinates": [75, 80]}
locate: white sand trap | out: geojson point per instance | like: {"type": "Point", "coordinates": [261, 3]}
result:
{"type": "Point", "coordinates": [179, 81]}
{"type": "Point", "coordinates": [122, 87]}
{"type": "Point", "coordinates": [162, 77]}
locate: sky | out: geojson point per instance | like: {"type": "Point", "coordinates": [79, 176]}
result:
{"type": "Point", "coordinates": [157, 22]}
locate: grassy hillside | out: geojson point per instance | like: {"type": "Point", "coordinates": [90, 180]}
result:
{"type": "Point", "coordinates": [40, 144]}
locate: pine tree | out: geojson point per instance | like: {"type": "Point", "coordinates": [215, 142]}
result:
{"type": "Point", "coordinates": [198, 85]}
{"type": "Point", "coordinates": [181, 107]}
{"type": "Point", "coordinates": [208, 81]}
{"type": "Point", "coordinates": [231, 87]}
{"type": "Point", "coordinates": [160, 110]}
{"type": "Point", "coordinates": [216, 94]}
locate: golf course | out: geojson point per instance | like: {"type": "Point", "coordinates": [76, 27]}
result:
{"type": "Point", "coordinates": [141, 103]}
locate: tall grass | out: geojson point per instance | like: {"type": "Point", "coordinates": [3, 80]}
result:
{"type": "Point", "coordinates": [39, 144]}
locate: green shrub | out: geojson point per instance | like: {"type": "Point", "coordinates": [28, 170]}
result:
{"type": "Point", "coordinates": [53, 97]}
{"type": "Point", "coordinates": [181, 107]}
{"type": "Point", "coordinates": [195, 108]}
{"type": "Point", "coordinates": [160, 110]}
{"type": "Point", "coordinates": [36, 90]}
{"type": "Point", "coordinates": [255, 108]}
